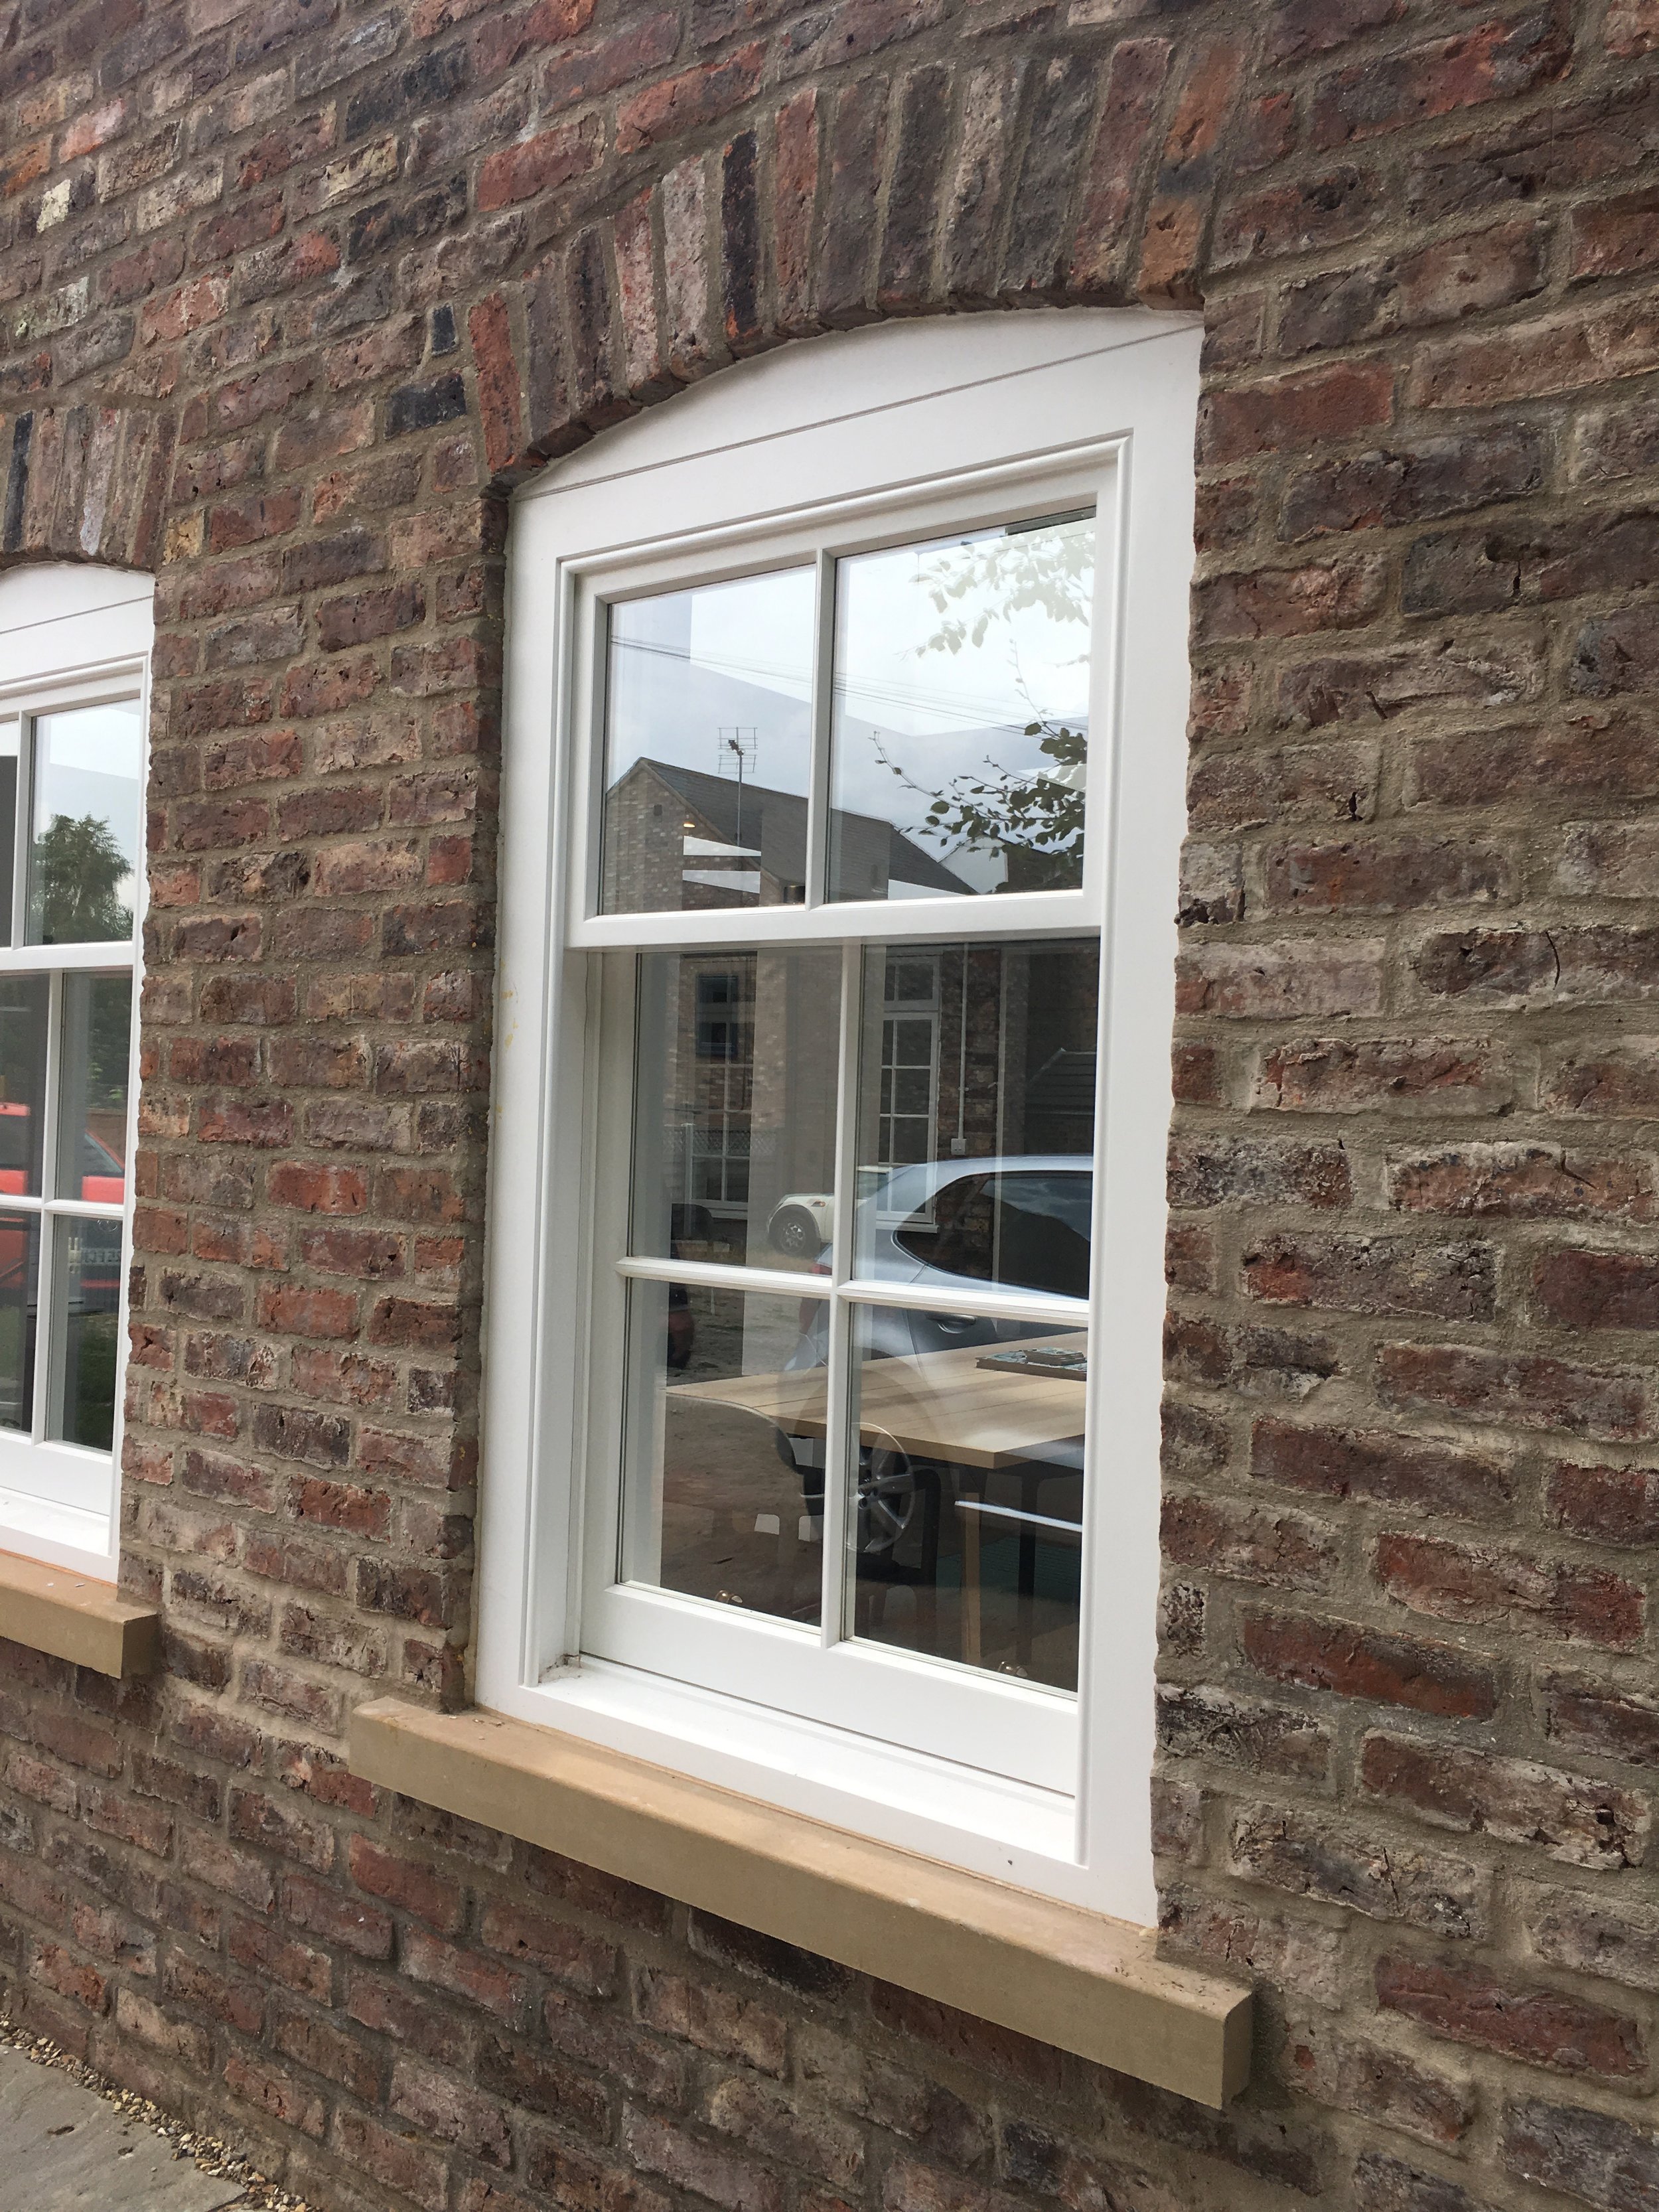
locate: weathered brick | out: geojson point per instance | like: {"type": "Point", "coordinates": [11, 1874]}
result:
{"type": "Point", "coordinates": [1389, 1467]}
{"type": "Point", "coordinates": [1313, 1855]}
{"type": "Point", "coordinates": [1527, 1391]}
{"type": "Point", "coordinates": [1372, 1275]}
{"type": "Point", "coordinates": [1357, 2075]}
{"type": "Point", "coordinates": [1574, 1819]}
{"type": "Point", "coordinates": [1484, 1582]}
{"type": "Point", "coordinates": [1357, 1662]}
{"type": "Point", "coordinates": [1518, 2020]}
{"type": "Point", "coordinates": [1597, 2157]}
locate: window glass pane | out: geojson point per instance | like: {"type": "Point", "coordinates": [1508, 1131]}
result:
{"type": "Point", "coordinates": [20, 1253]}
{"type": "Point", "coordinates": [724, 1453]}
{"type": "Point", "coordinates": [10, 731]}
{"type": "Point", "coordinates": [23, 1004]}
{"type": "Point", "coordinates": [92, 1131]}
{"type": "Point", "coordinates": [707, 746]}
{"type": "Point", "coordinates": [734, 1134]}
{"type": "Point", "coordinates": [976, 1114]}
{"type": "Point", "coordinates": [959, 729]}
{"type": "Point", "coordinates": [87, 1299]}
{"type": "Point", "coordinates": [965, 1510]}
{"type": "Point", "coordinates": [84, 858]}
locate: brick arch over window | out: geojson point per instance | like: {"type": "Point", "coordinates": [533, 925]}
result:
{"type": "Point", "coordinates": [1073, 185]}
{"type": "Point", "coordinates": [83, 483]}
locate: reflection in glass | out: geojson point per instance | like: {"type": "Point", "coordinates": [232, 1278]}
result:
{"type": "Point", "coordinates": [87, 1295]}
{"type": "Point", "coordinates": [976, 1114]}
{"type": "Point", "coordinates": [724, 1448]}
{"type": "Point", "coordinates": [84, 862]}
{"type": "Point", "coordinates": [965, 1513]}
{"type": "Point", "coordinates": [91, 1127]}
{"type": "Point", "coordinates": [20, 1253]}
{"type": "Point", "coordinates": [735, 1120]}
{"type": "Point", "coordinates": [23, 1004]}
{"type": "Point", "coordinates": [10, 733]}
{"type": "Point", "coordinates": [707, 746]}
{"type": "Point", "coordinates": [959, 731]}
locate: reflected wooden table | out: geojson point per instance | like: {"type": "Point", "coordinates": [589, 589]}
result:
{"type": "Point", "coordinates": [949, 1407]}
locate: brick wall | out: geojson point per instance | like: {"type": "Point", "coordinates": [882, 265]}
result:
{"type": "Point", "coordinates": [289, 293]}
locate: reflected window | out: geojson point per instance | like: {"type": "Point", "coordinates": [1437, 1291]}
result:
{"type": "Point", "coordinates": [734, 1127]}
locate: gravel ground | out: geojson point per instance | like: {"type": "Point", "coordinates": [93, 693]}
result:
{"type": "Point", "coordinates": [211, 2156]}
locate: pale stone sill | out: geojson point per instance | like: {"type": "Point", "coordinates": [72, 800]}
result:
{"type": "Point", "coordinates": [72, 1616]}
{"type": "Point", "coordinates": [1064, 1976]}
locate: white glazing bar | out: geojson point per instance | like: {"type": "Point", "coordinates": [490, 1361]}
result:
{"type": "Point", "coordinates": [45, 1277]}
{"type": "Point", "coordinates": [824, 679]}
{"type": "Point", "coordinates": [987, 1303]}
{"type": "Point", "coordinates": [950, 917]}
{"type": "Point", "coordinates": [832, 1613]}
{"type": "Point", "coordinates": [14, 955]}
{"type": "Point", "coordinates": [108, 957]}
{"type": "Point", "coordinates": [717, 1275]}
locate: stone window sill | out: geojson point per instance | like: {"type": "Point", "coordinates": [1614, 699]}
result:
{"type": "Point", "coordinates": [71, 1616]}
{"type": "Point", "coordinates": [1050, 1971]}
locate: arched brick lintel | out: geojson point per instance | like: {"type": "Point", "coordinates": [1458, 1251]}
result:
{"type": "Point", "coordinates": [777, 235]}
{"type": "Point", "coordinates": [83, 483]}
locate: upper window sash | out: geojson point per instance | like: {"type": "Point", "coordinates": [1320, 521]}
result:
{"type": "Point", "coordinates": [1089, 476]}
{"type": "Point", "coordinates": [22, 710]}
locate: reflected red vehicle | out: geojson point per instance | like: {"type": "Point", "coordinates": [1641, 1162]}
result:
{"type": "Point", "coordinates": [103, 1182]}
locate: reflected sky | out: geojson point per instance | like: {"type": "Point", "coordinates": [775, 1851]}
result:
{"type": "Point", "coordinates": [946, 655]}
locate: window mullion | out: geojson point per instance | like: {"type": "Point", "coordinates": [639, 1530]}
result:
{"type": "Point", "coordinates": [19, 830]}
{"type": "Point", "coordinates": [823, 681]}
{"type": "Point", "coordinates": [46, 1346]}
{"type": "Point", "coordinates": [838, 1444]}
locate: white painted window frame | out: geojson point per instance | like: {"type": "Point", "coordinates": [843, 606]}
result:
{"type": "Point", "coordinates": [866, 437]}
{"type": "Point", "coordinates": [72, 636]}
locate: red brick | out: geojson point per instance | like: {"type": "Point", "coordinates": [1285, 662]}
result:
{"type": "Point", "coordinates": [1589, 1934]}
{"type": "Point", "coordinates": [538, 165]}
{"type": "Point", "coordinates": [1356, 2075]}
{"type": "Point", "coordinates": [438, 2105]}
{"type": "Point", "coordinates": [1480, 1582]}
{"type": "Point", "coordinates": [1612, 1504]}
{"type": "Point", "coordinates": [1400, 1077]}
{"type": "Point", "coordinates": [1540, 2025]}
{"type": "Point", "coordinates": [1372, 1275]}
{"type": "Point", "coordinates": [405, 1883]}
{"type": "Point", "coordinates": [1599, 1718]}
{"type": "Point", "coordinates": [1571, 1817]}
{"type": "Point", "coordinates": [1292, 412]}
{"type": "Point", "coordinates": [1353, 1660]}
{"type": "Point", "coordinates": [1525, 1390]}
{"type": "Point", "coordinates": [1524, 1183]}
{"type": "Point", "coordinates": [354, 1926]}
{"type": "Point", "coordinates": [1281, 980]}
{"type": "Point", "coordinates": [1284, 1549]}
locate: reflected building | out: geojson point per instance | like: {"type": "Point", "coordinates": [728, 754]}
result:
{"type": "Point", "coordinates": [678, 840]}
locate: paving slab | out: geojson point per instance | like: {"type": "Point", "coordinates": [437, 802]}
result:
{"type": "Point", "coordinates": [63, 2148]}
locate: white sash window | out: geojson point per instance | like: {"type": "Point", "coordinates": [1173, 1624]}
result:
{"type": "Point", "coordinates": [842, 802]}
{"type": "Point", "coordinates": [73, 708]}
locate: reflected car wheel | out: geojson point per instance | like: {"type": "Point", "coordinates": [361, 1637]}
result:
{"type": "Point", "coordinates": [796, 1234]}
{"type": "Point", "coordinates": [888, 1497]}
